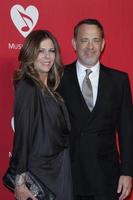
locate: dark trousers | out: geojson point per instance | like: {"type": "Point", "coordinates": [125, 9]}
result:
{"type": "Point", "coordinates": [100, 197]}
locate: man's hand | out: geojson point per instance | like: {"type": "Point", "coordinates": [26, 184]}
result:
{"type": "Point", "coordinates": [124, 186]}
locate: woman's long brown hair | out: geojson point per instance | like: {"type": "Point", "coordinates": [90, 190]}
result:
{"type": "Point", "coordinates": [29, 53]}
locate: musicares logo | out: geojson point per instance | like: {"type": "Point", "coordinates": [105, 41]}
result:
{"type": "Point", "coordinates": [24, 19]}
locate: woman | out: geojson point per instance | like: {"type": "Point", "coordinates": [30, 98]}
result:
{"type": "Point", "coordinates": [41, 119]}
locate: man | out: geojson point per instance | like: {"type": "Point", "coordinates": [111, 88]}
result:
{"type": "Point", "coordinates": [99, 103]}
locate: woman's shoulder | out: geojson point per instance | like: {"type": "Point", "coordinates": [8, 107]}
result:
{"type": "Point", "coordinates": [25, 89]}
{"type": "Point", "coordinates": [26, 85]}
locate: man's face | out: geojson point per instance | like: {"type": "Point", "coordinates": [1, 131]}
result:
{"type": "Point", "coordinates": [88, 44]}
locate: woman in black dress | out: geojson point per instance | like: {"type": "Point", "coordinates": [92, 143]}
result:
{"type": "Point", "coordinates": [41, 120]}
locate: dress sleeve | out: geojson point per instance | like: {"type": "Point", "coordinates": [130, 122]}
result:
{"type": "Point", "coordinates": [125, 130]}
{"type": "Point", "coordinates": [24, 109]}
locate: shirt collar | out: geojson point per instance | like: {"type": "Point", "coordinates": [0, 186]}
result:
{"type": "Point", "coordinates": [81, 68]}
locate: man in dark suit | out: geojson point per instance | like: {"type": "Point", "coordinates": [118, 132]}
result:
{"type": "Point", "coordinates": [99, 171]}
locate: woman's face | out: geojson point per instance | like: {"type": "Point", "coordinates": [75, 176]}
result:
{"type": "Point", "coordinates": [46, 57]}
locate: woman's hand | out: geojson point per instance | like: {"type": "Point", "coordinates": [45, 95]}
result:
{"type": "Point", "coordinates": [23, 193]}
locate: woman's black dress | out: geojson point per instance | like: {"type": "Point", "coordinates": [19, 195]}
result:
{"type": "Point", "coordinates": [41, 143]}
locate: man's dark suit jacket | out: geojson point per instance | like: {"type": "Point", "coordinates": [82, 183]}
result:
{"type": "Point", "coordinates": [96, 164]}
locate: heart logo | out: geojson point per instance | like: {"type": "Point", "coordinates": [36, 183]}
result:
{"type": "Point", "coordinates": [24, 19]}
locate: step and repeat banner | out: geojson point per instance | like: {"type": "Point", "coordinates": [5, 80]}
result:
{"type": "Point", "coordinates": [20, 17]}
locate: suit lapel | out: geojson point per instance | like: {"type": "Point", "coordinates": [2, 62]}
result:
{"type": "Point", "coordinates": [103, 81]}
{"type": "Point", "coordinates": [76, 87]}
{"type": "Point", "coordinates": [103, 86]}
{"type": "Point", "coordinates": [101, 94]}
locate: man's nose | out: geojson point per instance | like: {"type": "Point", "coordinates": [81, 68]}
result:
{"type": "Point", "coordinates": [90, 44]}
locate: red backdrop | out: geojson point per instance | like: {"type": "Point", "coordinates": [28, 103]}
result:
{"type": "Point", "coordinates": [19, 17]}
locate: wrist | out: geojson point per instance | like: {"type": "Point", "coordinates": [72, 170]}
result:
{"type": "Point", "coordinates": [20, 180]}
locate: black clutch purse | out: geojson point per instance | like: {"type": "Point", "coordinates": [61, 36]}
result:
{"type": "Point", "coordinates": [32, 183]}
